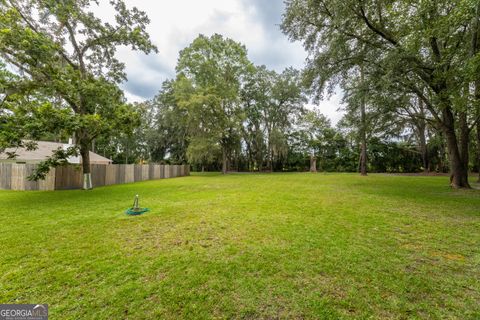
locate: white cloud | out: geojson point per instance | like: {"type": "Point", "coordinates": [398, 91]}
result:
{"type": "Point", "coordinates": [330, 107]}
{"type": "Point", "coordinates": [175, 24]}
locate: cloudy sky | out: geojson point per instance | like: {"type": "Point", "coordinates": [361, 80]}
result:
{"type": "Point", "coordinates": [174, 25]}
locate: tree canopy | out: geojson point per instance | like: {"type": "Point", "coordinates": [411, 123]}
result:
{"type": "Point", "coordinates": [427, 49]}
{"type": "Point", "coordinates": [409, 73]}
{"type": "Point", "coordinates": [66, 54]}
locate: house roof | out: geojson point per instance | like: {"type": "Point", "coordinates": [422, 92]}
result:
{"type": "Point", "coordinates": [44, 150]}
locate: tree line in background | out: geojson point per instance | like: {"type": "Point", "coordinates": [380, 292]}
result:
{"type": "Point", "coordinates": [409, 71]}
{"type": "Point", "coordinates": [221, 112]}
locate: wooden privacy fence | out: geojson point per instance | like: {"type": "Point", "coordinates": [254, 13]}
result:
{"type": "Point", "coordinates": [14, 176]}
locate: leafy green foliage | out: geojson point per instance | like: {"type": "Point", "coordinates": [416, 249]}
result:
{"type": "Point", "coordinates": [426, 49]}
{"type": "Point", "coordinates": [65, 54]}
{"type": "Point", "coordinates": [58, 158]}
{"type": "Point", "coordinates": [209, 75]}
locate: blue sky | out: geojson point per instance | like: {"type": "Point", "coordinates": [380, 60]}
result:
{"type": "Point", "coordinates": [174, 25]}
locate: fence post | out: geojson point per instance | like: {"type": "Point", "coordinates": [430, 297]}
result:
{"type": "Point", "coordinates": [5, 176]}
{"type": "Point", "coordinates": [129, 173]}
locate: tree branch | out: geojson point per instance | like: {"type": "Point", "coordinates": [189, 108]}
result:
{"type": "Point", "coordinates": [35, 29]}
{"type": "Point", "coordinates": [371, 26]}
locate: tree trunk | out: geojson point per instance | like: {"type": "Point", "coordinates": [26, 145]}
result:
{"type": "Point", "coordinates": [87, 176]}
{"type": "Point", "coordinates": [363, 142]}
{"type": "Point", "coordinates": [441, 153]}
{"type": "Point", "coordinates": [464, 138]}
{"type": "Point", "coordinates": [313, 163]}
{"type": "Point", "coordinates": [458, 171]}
{"type": "Point", "coordinates": [477, 98]}
{"type": "Point", "coordinates": [224, 161]}
{"type": "Point", "coordinates": [423, 148]}
{"type": "Point", "coordinates": [363, 160]}
{"type": "Point", "coordinates": [475, 47]}
{"type": "Point", "coordinates": [478, 149]}
{"type": "Point", "coordinates": [363, 131]}
{"type": "Point", "coordinates": [270, 159]}
{"type": "Point", "coordinates": [320, 164]}
{"type": "Point", "coordinates": [422, 140]}
{"type": "Point", "coordinates": [259, 150]}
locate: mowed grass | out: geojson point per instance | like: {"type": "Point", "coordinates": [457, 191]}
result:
{"type": "Point", "coordinates": [246, 246]}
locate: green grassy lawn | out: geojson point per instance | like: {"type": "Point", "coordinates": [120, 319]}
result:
{"type": "Point", "coordinates": [246, 246]}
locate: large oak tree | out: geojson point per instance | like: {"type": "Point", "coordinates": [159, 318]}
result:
{"type": "Point", "coordinates": [61, 49]}
{"type": "Point", "coordinates": [428, 47]}
{"type": "Point", "coordinates": [209, 76]}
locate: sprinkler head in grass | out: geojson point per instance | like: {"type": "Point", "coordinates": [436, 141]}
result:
{"type": "Point", "coordinates": [135, 203]}
{"type": "Point", "coordinates": [135, 209]}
